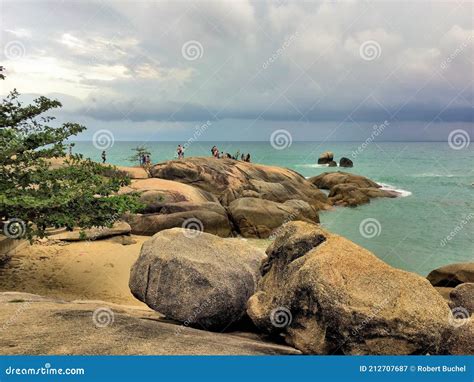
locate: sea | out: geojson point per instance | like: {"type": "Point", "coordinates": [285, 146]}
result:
{"type": "Point", "coordinates": [430, 225]}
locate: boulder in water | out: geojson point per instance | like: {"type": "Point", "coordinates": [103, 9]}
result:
{"type": "Point", "coordinates": [345, 162]}
{"type": "Point", "coordinates": [332, 164]}
{"type": "Point", "coordinates": [326, 157]}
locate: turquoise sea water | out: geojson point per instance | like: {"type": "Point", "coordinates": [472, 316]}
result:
{"type": "Point", "coordinates": [409, 232]}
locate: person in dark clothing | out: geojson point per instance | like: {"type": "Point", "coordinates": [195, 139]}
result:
{"type": "Point", "coordinates": [247, 157]}
{"type": "Point", "coordinates": [104, 156]}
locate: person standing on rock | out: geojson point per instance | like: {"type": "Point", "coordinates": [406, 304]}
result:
{"type": "Point", "coordinates": [180, 152]}
{"type": "Point", "coordinates": [104, 156]}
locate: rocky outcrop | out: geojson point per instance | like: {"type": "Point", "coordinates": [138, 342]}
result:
{"type": "Point", "coordinates": [206, 217]}
{"type": "Point", "coordinates": [459, 339]}
{"type": "Point", "coordinates": [134, 172]}
{"type": "Point", "coordinates": [169, 204]}
{"type": "Point", "coordinates": [350, 190]}
{"type": "Point", "coordinates": [256, 217]}
{"type": "Point", "coordinates": [462, 297]}
{"type": "Point", "coordinates": [332, 164]}
{"type": "Point", "coordinates": [229, 180]}
{"type": "Point", "coordinates": [34, 325]}
{"type": "Point", "coordinates": [345, 162]}
{"type": "Point", "coordinates": [325, 295]}
{"type": "Point", "coordinates": [326, 157]}
{"type": "Point", "coordinates": [452, 275]}
{"type": "Point", "coordinates": [196, 278]}
{"type": "Point", "coordinates": [96, 233]}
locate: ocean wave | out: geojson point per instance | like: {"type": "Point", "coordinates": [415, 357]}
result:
{"type": "Point", "coordinates": [389, 187]}
{"type": "Point", "coordinates": [311, 165]}
{"type": "Point", "coordinates": [433, 175]}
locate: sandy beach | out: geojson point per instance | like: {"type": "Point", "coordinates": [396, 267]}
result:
{"type": "Point", "coordinates": [93, 270]}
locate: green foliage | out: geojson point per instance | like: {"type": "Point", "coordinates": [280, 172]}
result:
{"type": "Point", "coordinates": [41, 187]}
{"type": "Point", "coordinates": [139, 151]}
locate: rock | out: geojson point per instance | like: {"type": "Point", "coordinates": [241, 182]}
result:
{"type": "Point", "coordinates": [326, 157]}
{"type": "Point", "coordinates": [124, 240]}
{"type": "Point", "coordinates": [462, 297]}
{"type": "Point", "coordinates": [349, 189]}
{"type": "Point", "coordinates": [259, 217]}
{"type": "Point", "coordinates": [345, 162]}
{"type": "Point", "coordinates": [199, 279]}
{"type": "Point", "coordinates": [207, 217]}
{"type": "Point", "coordinates": [170, 204]}
{"type": "Point", "coordinates": [154, 193]}
{"type": "Point", "coordinates": [119, 228]}
{"type": "Point", "coordinates": [460, 338]}
{"type": "Point", "coordinates": [325, 294]}
{"type": "Point", "coordinates": [452, 275]}
{"type": "Point", "coordinates": [135, 172]}
{"type": "Point", "coordinates": [332, 164]}
{"type": "Point", "coordinates": [47, 326]}
{"type": "Point", "coordinates": [229, 179]}
{"type": "Point", "coordinates": [328, 180]}
{"type": "Point", "coordinates": [349, 195]}
{"type": "Point", "coordinates": [443, 291]}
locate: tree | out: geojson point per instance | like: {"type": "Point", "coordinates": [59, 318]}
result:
{"type": "Point", "coordinates": [34, 193]}
{"type": "Point", "coordinates": [139, 152]}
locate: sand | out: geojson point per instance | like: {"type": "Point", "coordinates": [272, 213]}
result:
{"type": "Point", "coordinates": [94, 270]}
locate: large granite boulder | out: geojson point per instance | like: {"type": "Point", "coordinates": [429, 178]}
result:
{"type": "Point", "coordinates": [350, 190]}
{"type": "Point", "coordinates": [462, 298]}
{"type": "Point", "coordinates": [196, 278]}
{"type": "Point", "coordinates": [326, 157]}
{"type": "Point", "coordinates": [452, 275]}
{"type": "Point", "coordinates": [459, 339]}
{"type": "Point", "coordinates": [256, 217]}
{"type": "Point", "coordinates": [325, 294]}
{"type": "Point", "coordinates": [229, 179]}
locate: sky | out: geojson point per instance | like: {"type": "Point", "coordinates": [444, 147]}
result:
{"type": "Point", "coordinates": [331, 70]}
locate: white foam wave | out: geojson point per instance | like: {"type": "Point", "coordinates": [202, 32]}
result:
{"type": "Point", "coordinates": [433, 175]}
{"type": "Point", "coordinates": [389, 187]}
{"type": "Point", "coordinates": [312, 165]}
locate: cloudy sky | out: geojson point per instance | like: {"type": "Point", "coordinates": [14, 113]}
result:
{"type": "Point", "coordinates": [321, 70]}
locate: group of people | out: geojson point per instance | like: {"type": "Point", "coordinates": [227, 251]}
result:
{"type": "Point", "coordinates": [220, 154]}
{"type": "Point", "coordinates": [145, 160]}
{"type": "Point", "coordinates": [180, 152]}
